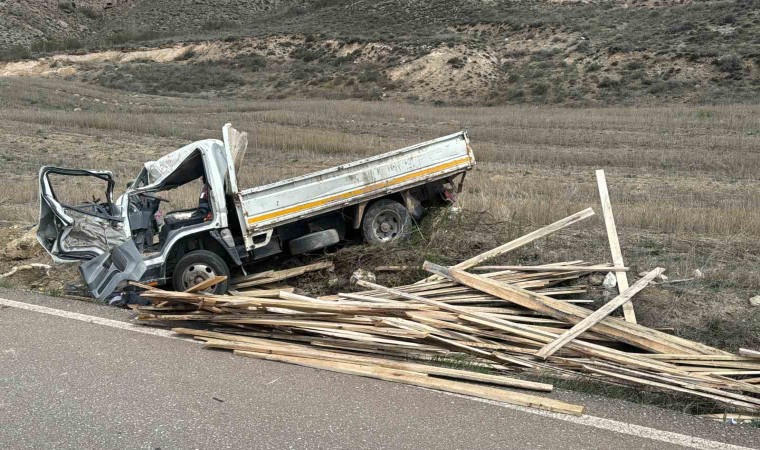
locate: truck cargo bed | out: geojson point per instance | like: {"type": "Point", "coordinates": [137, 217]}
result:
{"type": "Point", "coordinates": [267, 206]}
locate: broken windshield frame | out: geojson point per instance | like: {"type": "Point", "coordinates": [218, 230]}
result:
{"type": "Point", "coordinates": [85, 173]}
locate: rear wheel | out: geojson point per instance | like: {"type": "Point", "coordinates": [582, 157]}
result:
{"type": "Point", "coordinates": [386, 221]}
{"type": "Point", "coordinates": [197, 267]}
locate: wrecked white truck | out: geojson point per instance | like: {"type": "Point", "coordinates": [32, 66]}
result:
{"type": "Point", "coordinates": [231, 228]}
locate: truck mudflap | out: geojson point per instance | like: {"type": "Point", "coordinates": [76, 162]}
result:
{"type": "Point", "coordinates": [105, 272]}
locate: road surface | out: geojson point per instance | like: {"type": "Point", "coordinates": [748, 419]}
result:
{"type": "Point", "coordinates": [77, 375]}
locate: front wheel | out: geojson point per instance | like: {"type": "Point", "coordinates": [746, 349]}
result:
{"type": "Point", "coordinates": [197, 267]}
{"type": "Point", "coordinates": [386, 221]}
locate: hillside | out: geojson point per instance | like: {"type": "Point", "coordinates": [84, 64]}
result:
{"type": "Point", "coordinates": [463, 52]}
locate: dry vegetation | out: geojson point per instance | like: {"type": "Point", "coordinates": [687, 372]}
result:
{"type": "Point", "coordinates": [463, 52]}
{"type": "Point", "coordinates": [684, 180]}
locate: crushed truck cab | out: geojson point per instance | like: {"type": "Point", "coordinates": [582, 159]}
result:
{"type": "Point", "coordinates": [133, 238]}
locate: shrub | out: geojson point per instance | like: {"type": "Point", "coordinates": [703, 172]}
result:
{"type": "Point", "coordinates": [515, 94]}
{"type": "Point", "coordinates": [155, 78]}
{"type": "Point", "coordinates": [218, 24]}
{"type": "Point", "coordinates": [50, 45]}
{"type": "Point", "coordinates": [583, 47]}
{"type": "Point", "coordinates": [307, 54]}
{"type": "Point", "coordinates": [189, 54]}
{"type": "Point", "coordinates": [253, 62]}
{"type": "Point", "coordinates": [67, 6]}
{"type": "Point", "coordinates": [90, 12]}
{"type": "Point", "coordinates": [608, 83]}
{"type": "Point", "coordinates": [15, 52]}
{"type": "Point", "coordinates": [374, 94]}
{"type": "Point", "coordinates": [369, 74]}
{"type": "Point", "coordinates": [540, 89]}
{"type": "Point", "coordinates": [457, 62]}
{"type": "Point", "coordinates": [730, 64]}
{"type": "Point", "coordinates": [620, 47]}
{"type": "Point", "coordinates": [126, 36]}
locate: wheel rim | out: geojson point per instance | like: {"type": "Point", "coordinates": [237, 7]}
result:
{"type": "Point", "coordinates": [195, 274]}
{"type": "Point", "coordinates": [387, 226]}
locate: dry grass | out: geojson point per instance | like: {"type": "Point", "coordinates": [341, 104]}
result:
{"type": "Point", "coordinates": [683, 180]}
{"type": "Point", "coordinates": [674, 170]}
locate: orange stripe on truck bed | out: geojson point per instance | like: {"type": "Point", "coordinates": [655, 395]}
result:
{"type": "Point", "coordinates": [359, 191]}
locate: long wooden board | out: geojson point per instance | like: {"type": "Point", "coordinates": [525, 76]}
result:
{"type": "Point", "coordinates": [419, 379]}
{"type": "Point", "coordinates": [612, 235]}
{"type": "Point", "coordinates": [633, 334]}
{"type": "Point", "coordinates": [598, 315]}
{"type": "Point", "coordinates": [519, 242]}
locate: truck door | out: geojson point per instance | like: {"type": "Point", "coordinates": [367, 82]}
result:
{"type": "Point", "coordinates": [78, 219]}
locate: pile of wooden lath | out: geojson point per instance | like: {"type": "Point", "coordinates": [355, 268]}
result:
{"type": "Point", "coordinates": [509, 320]}
{"type": "Point", "coordinates": [272, 279]}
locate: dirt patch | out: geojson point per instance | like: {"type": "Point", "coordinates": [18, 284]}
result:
{"type": "Point", "coordinates": [25, 265]}
{"type": "Point", "coordinates": [23, 247]}
{"type": "Point", "coordinates": [448, 72]}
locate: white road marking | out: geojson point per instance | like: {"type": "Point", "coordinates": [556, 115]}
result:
{"type": "Point", "coordinates": [616, 426]}
{"type": "Point", "coordinates": [585, 420]}
{"type": "Point", "coordinates": [91, 319]}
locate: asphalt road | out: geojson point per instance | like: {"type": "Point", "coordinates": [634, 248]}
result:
{"type": "Point", "coordinates": [67, 383]}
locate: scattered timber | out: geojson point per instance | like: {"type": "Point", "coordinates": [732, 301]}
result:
{"type": "Point", "coordinates": [482, 334]}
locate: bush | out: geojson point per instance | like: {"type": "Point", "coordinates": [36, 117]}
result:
{"type": "Point", "coordinates": [730, 64]}
{"type": "Point", "coordinates": [189, 54]}
{"type": "Point", "coordinates": [608, 83]}
{"type": "Point", "coordinates": [308, 54]}
{"type": "Point", "coordinates": [253, 62]}
{"type": "Point", "coordinates": [457, 62]}
{"type": "Point", "coordinates": [15, 52]}
{"type": "Point", "coordinates": [50, 45]}
{"type": "Point", "coordinates": [67, 6]}
{"type": "Point", "coordinates": [218, 24]}
{"type": "Point", "coordinates": [369, 74]}
{"type": "Point", "coordinates": [90, 12]}
{"type": "Point", "coordinates": [540, 89]}
{"type": "Point", "coordinates": [583, 47]}
{"type": "Point", "coordinates": [127, 36]}
{"type": "Point", "coordinates": [156, 78]}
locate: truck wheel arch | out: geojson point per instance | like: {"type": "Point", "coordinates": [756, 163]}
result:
{"type": "Point", "coordinates": [204, 240]}
{"type": "Point", "coordinates": [399, 197]}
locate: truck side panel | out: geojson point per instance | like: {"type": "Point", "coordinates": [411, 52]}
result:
{"type": "Point", "coordinates": [288, 200]}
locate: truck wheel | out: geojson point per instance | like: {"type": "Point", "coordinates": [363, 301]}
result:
{"type": "Point", "coordinates": [313, 241]}
{"type": "Point", "coordinates": [198, 266]}
{"type": "Point", "coordinates": [386, 221]}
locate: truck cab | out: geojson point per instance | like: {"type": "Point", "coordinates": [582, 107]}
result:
{"type": "Point", "coordinates": [140, 236]}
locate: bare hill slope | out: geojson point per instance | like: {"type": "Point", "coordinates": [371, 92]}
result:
{"type": "Point", "coordinates": [461, 52]}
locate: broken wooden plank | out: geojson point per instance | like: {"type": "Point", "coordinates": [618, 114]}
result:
{"type": "Point", "coordinates": [262, 293]}
{"type": "Point", "coordinates": [203, 285]}
{"type": "Point", "coordinates": [519, 242]}
{"type": "Point", "coordinates": [419, 379]}
{"type": "Point", "coordinates": [392, 268]}
{"type": "Point", "coordinates": [598, 315]}
{"type": "Point", "coordinates": [281, 275]}
{"type": "Point", "coordinates": [288, 349]}
{"type": "Point", "coordinates": [634, 334]}
{"type": "Point", "coordinates": [617, 256]}
{"type": "Point", "coordinates": [553, 268]}
{"type": "Point", "coordinates": [749, 353]}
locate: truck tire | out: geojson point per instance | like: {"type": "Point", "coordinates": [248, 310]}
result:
{"type": "Point", "coordinates": [198, 266]}
{"type": "Point", "coordinates": [386, 221]}
{"type": "Point", "coordinates": [313, 241]}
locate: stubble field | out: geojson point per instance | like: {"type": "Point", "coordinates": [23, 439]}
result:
{"type": "Point", "coordinates": [683, 180]}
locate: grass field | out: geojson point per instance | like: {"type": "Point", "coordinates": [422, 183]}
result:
{"type": "Point", "coordinates": [683, 180]}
